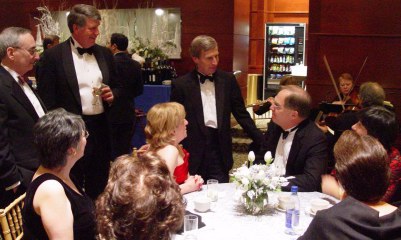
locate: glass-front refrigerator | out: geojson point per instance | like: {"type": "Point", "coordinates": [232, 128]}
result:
{"type": "Point", "coordinates": [284, 47]}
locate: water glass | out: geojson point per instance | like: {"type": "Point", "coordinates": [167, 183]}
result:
{"type": "Point", "coordinates": [190, 226]}
{"type": "Point", "coordinates": [212, 192]}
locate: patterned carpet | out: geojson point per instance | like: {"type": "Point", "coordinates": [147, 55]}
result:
{"type": "Point", "coordinates": [241, 141]}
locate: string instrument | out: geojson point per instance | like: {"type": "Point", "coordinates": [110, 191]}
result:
{"type": "Point", "coordinates": [261, 103]}
{"type": "Point", "coordinates": [349, 102]}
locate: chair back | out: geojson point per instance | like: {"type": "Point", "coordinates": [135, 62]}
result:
{"type": "Point", "coordinates": [11, 219]}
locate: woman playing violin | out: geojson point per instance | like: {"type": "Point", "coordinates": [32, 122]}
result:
{"type": "Point", "coordinates": [347, 92]}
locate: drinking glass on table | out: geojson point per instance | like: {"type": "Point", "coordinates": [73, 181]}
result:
{"type": "Point", "coordinates": [190, 226]}
{"type": "Point", "coordinates": [212, 191]}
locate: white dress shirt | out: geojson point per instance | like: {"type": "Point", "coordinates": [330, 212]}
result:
{"type": "Point", "coordinates": [89, 77]}
{"type": "Point", "coordinates": [208, 95]}
{"type": "Point", "coordinates": [283, 151]}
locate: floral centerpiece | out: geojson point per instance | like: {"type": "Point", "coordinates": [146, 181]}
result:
{"type": "Point", "coordinates": [148, 51]}
{"type": "Point", "coordinates": [256, 181]}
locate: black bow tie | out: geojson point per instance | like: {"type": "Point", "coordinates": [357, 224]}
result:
{"type": "Point", "coordinates": [85, 50]}
{"type": "Point", "coordinates": [285, 133]}
{"type": "Point", "coordinates": [203, 78]}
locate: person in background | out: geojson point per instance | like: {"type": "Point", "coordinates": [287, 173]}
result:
{"type": "Point", "coordinates": [55, 206]}
{"type": "Point", "coordinates": [364, 175]}
{"type": "Point", "coordinates": [381, 124]}
{"type": "Point", "coordinates": [348, 93]}
{"type": "Point", "coordinates": [20, 108]}
{"type": "Point", "coordinates": [209, 96]}
{"type": "Point", "coordinates": [166, 127]}
{"type": "Point", "coordinates": [50, 41]}
{"type": "Point", "coordinates": [79, 76]}
{"type": "Point", "coordinates": [370, 94]}
{"type": "Point", "coordinates": [298, 146]}
{"type": "Point", "coordinates": [140, 201]}
{"type": "Point", "coordinates": [122, 111]}
{"type": "Point", "coordinates": [262, 107]}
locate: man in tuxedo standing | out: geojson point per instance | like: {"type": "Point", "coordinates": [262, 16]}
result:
{"type": "Point", "coordinates": [122, 112]}
{"type": "Point", "coordinates": [79, 76]}
{"type": "Point", "coordinates": [210, 96]}
{"type": "Point", "coordinates": [298, 146]}
{"type": "Point", "coordinates": [20, 108]}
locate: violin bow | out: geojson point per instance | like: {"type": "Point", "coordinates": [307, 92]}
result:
{"type": "Point", "coordinates": [357, 77]}
{"type": "Point", "coordinates": [332, 79]}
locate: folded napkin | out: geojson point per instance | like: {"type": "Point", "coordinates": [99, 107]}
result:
{"type": "Point", "coordinates": [200, 223]}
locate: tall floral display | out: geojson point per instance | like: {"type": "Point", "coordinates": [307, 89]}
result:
{"type": "Point", "coordinates": [256, 181]}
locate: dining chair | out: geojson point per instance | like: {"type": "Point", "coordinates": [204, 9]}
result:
{"type": "Point", "coordinates": [11, 219]}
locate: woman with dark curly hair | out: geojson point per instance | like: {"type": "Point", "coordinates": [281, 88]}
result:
{"type": "Point", "coordinates": [140, 201]}
{"type": "Point", "coordinates": [364, 175]}
{"type": "Point", "coordinates": [166, 127]}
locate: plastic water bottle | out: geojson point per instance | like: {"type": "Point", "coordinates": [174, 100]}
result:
{"type": "Point", "coordinates": [292, 214]}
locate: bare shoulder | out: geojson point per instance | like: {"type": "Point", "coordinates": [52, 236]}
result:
{"type": "Point", "coordinates": [49, 191]}
{"type": "Point", "coordinates": [168, 150]}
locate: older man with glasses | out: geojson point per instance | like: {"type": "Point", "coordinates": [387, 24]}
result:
{"type": "Point", "coordinates": [297, 144]}
{"type": "Point", "coordinates": [20, 108]}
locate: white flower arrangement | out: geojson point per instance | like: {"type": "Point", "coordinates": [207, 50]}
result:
{"type": "Point", "coordinates": [256, 181]}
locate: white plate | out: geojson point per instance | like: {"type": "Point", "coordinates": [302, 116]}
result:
{"type": "Point", "coordinates": [278, 208]}
{"type": "Point", "coordinates": [308, 210]}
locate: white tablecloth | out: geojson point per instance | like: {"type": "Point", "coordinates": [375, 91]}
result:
{"type": "Point", "coordinates": [226, 220]}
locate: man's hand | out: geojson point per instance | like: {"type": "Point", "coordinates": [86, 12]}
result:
{"type": "Point", "coordinates": [107, 94]}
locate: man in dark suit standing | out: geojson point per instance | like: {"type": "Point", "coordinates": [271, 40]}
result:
{"type": "Point", "coordinates": [20, 108]}
{"type": "Point", "coordinates": [79, 76]}
{"type": "Point", "coordinates": [298, 146]}
{"type": "Point", "coordinates": [122, 112]}
{"type": "Point", "coordinates": [210, 96]}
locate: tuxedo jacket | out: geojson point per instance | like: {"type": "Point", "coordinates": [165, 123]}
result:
{"type": "Point", "coordinates": [130, 74]}
{"type": "Point", "coordinates": [18, 155]}
{"type": "Point", "coordinates": [307, 159]}
{"type": "Point", "coordinates": [57, 79]}
{"type": "Point", "coordinates": [186, 90]}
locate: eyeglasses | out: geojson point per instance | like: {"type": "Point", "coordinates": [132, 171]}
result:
{"type": "Point", "coordinates": [31, 51]}
{"type": "Point", "coordinates": [86, 134]}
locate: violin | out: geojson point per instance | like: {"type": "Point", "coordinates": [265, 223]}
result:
{"type": "Point", "coordinates": [349, 102]}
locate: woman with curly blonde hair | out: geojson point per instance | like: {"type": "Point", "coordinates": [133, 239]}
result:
{"type": "Point", "coordinates": [140, 201]}
{"type": "Point", "coordinates": [165, 129]}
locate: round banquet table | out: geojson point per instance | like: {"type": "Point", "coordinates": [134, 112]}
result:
{"type": "Point", "coordinates": [227, 219]}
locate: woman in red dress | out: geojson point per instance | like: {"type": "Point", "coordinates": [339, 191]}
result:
{"type": "Point", "coordinates": [166, 127]}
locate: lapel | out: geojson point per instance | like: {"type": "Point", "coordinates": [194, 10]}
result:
{"type": "Point", "coordinates": [101, 61]}
{"type": "Point", "coordinates": [297, 143]}
{"type": "Point", "coordinates": [38, 97]}
{"type": "Point", "coordinates": [69, 69]}
{"type": "Point", "coordinates": [219, 88]}
{"type": "Point", "coordinates": [197, 101]}
{"type": "Point", "coordinates": [17, 93]}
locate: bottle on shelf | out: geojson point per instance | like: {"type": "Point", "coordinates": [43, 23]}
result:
{"type": "Point", "coordinates": [292, 213]}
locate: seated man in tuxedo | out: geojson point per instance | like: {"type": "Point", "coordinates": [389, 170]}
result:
{"type": "Point", "coordinates": [298, 146]}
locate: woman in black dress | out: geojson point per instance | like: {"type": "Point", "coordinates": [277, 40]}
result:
{"type": "Point", "coordinates": [55, 207]}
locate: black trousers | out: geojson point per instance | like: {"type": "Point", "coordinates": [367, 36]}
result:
{"type": "Point", "coordinates": [121, 136]}
{"type": "Point", "coordinates": [92, 170]}
{"type": "Point", "coordinates": [212, 166]}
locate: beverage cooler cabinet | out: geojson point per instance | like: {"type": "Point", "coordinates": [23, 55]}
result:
{"type": "Point", "coordinates": [284, 47]}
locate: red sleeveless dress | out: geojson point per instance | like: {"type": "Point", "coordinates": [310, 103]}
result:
{"type": "Point", "coordinates": [181, 171]}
